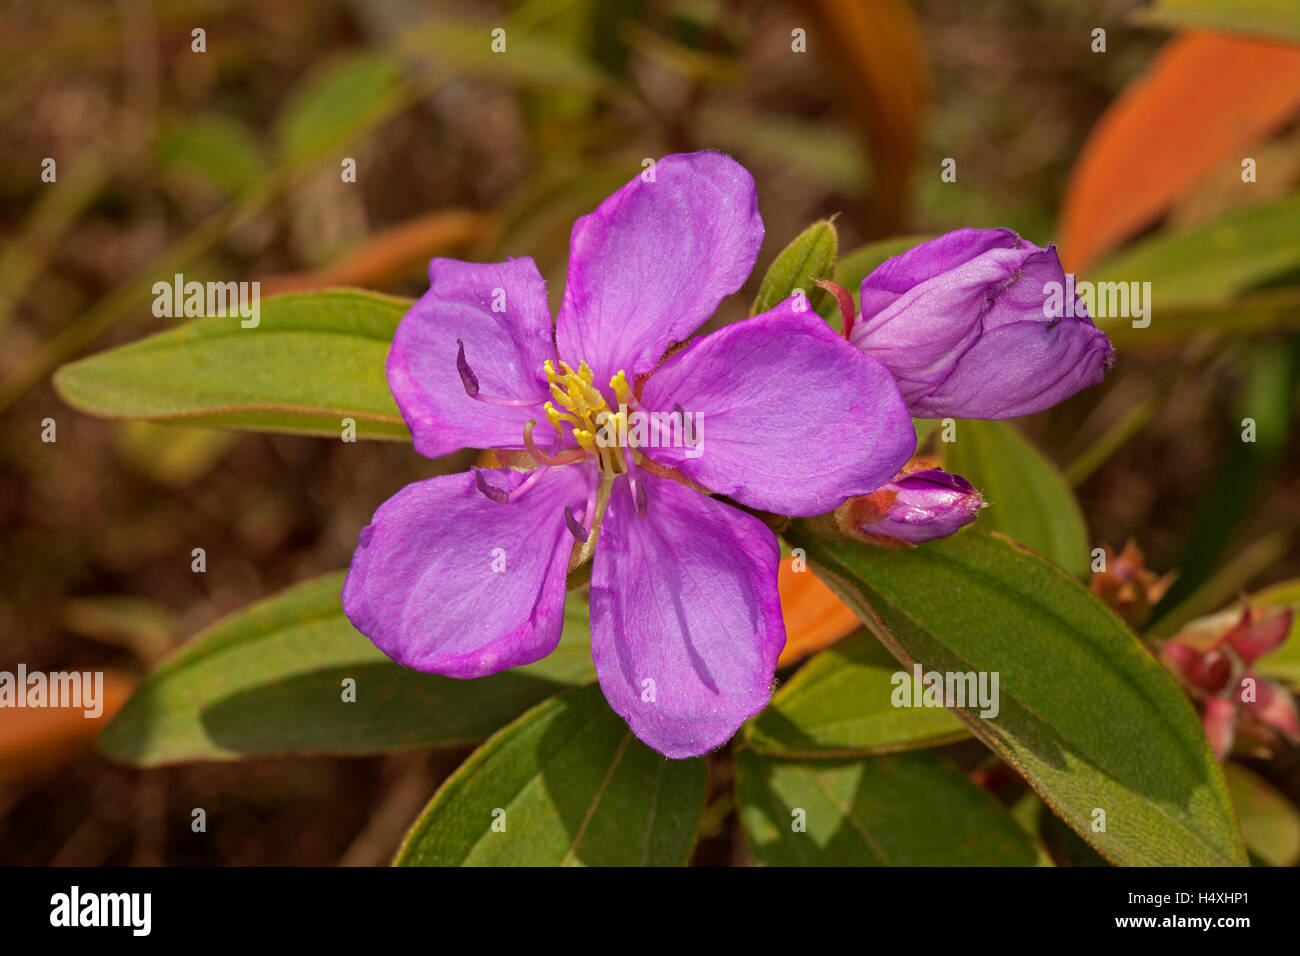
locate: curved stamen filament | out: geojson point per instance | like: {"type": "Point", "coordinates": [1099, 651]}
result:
{"type": "Point", "coordinates": [637, 487]}
{"type": "Point", "coordinates": [541, 457]}
{"type": "Point", "coordinates": [595, 515]}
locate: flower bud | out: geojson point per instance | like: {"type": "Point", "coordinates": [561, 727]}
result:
{"type": "Point", "coordinates": [915, 507]}
{"type": "Point", "coordinates": [979, 323]}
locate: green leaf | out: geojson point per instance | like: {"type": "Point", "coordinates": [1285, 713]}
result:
{"type": "Point", "coordinates": [1028, 499]}
{"type": "Point", "coordinates": [1087, 715]}
{"type": "Point", "coordinates": [312, 360]}
{"type": "Point", "coordinates": [1279, 19]}
{"type": "Point", "coordinates": [566, 784]}
{"type": "Point", "coordinates": [331, 105]}
{"type": "Point", "coordinates": [1269, 822]}
{"type": "Point", "coordinates": [812, 149]}
{"type": "Point", "coordinates": [530, 60]}
{"type": "Point", "coordinates": [809, 257]}
{"type": "Point", "coordinates": [855, 266]}
{"type": "Point", "coordinates": [910, 809]}
{"type": "Point", "coordinates": [1208, 264]}
{"type": "Point", "coordinates": [840, 704]}
{"type": "Point", "coordinates": [269, 680]}
{"type": "Point", "coordinates": [219, 149]}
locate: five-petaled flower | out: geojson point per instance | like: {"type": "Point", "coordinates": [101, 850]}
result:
{"type": "Point", "coordinates": [465, 575]}
{"type": "Point", "coordinates": [1218, 668]}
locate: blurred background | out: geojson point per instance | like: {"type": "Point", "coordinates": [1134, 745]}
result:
{"type": "Point", "coordinates": [225, 163]}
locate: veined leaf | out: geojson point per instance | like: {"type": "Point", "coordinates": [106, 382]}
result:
{"type": "Point", "coordinates": [841, 704]}
{"type": "Point", "coordinates": [566, 784]}
{"type": "Point", "coordinates": [1028, 499]}
{"type": "Point", "coordinates": [311, 361]}
{"type": "Point", "coordinates": [810, 256]}
{"type": "Point", "coordinates": [910, 809]}
{"type": "Point", "coordinates": [269, 680]}
{"type": "Point", "coordinates": [1086, 714]}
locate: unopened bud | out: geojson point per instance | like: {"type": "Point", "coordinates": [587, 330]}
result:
{"type": "Point", "coordinates": [913, 508]}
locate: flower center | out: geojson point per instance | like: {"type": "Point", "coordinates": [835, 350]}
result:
{"type": "Point", "coordinates": [597, 429]}
{"type": "Point", "coordinates": [601, 434]}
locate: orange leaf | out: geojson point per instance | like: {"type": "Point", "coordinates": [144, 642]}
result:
{"type": "Point", "coordinates": [397, 251]}
{"type": "Point", "coordinates": [875, 53]}
{"type": "Point", "coordinates": [1207, 97]}
{"type": "Point", "coordinates": [814, 616]}
{"type": "Point", "coordinates": [36, 740]}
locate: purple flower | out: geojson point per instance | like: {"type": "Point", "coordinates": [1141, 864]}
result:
{"type": "Point", "coordinates": [464, 575]}
{"type": "Point", "coordinates": [972, 324]}
{"type": "Point", "coordinates": [915, 507]}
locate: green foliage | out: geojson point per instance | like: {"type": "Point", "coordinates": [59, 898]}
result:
{"type": "Point", "coordinates": [1197, 275]}
{"type": "Point", "coordinates": [901, 810]}
{"type": "Point", "coordinates": [1086, 714]}
{"type": "Point", "coordinates": [810, 256]}
{"type": "Point", "coordinates": [219, 149]}
{"type": "Point", "coordinates": [1278, 19]}
{"type": "Point", "coordinates": [839, 704]}
{"type": "Point", "coordinates": [566, 784]}
{"type": "Point", "coordinates": [269, 680]}
{"type": "Point", "coordinates": [327, 108]}
{"type": "Point", "coordinates": [1028, 499]}
{"type": "Point", "coordinates": [312, 360]}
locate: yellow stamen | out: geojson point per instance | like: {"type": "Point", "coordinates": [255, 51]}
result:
{"type": "Point", "coordinates": [563, 399]}
{"type": "Point", "coordinates": [556, 418]}
{"type": "Point", "coordinates": [619, 384]}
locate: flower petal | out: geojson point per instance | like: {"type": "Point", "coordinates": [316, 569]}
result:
{"type": "Point", "coordinates": [448, 582]}
{"type": "Point", "coordinates": [685, 618]}
{"type": "Point", "coordinates": [925, 261]}
{"type": "Point", "coordinates": [1260, 632]}
{"type": "Point", "coordinates": [789, 417]}
{"type": "Point", "coordinates": [1274, 706]}
{"type": "Point", "coordinates": [1220, 722]}
{"type": "Point", "coordinates": [499, 312]}
{"type": "Point", "coordinates": [1022, 368]}
{"type": "Point", "coordinates": [655, 259]}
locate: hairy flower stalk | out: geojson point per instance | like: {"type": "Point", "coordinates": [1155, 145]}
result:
{"type": "Point", "coordinates": [616, 446]}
